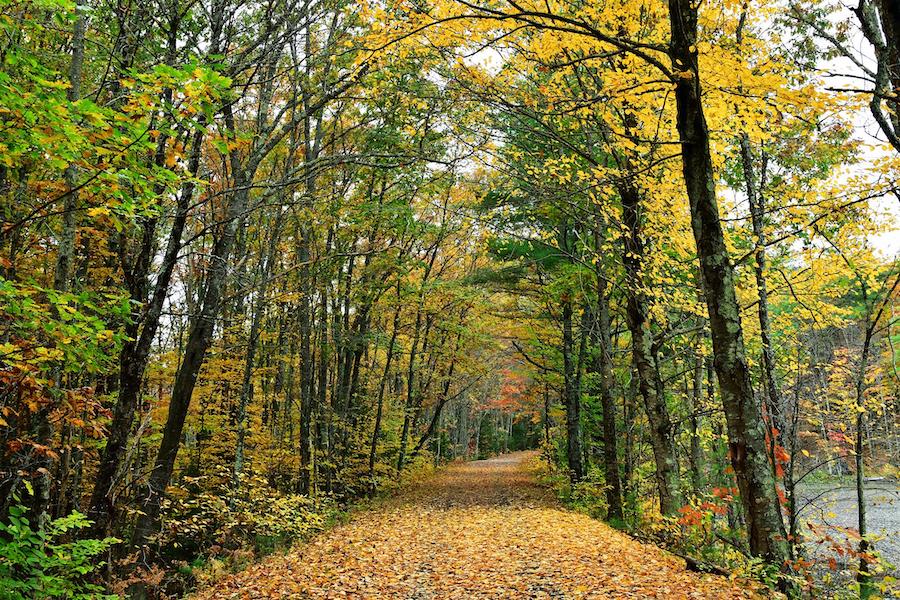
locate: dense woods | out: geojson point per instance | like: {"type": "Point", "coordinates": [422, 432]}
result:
{"type": "Point", "coordinates": [262, 260]}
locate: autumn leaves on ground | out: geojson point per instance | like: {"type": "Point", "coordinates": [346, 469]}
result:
{"type": "Point", "coordinates": [482, 529]}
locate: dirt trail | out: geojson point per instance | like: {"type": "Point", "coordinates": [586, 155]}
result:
{"type": "Point", "coordinates": [476, 530]}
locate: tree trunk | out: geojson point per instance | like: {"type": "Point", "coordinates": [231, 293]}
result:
{"type": "Point", "coordinates": [62, 274]}
{"type": "Point", "coordinates": [410, 392]}
{"type": "Point", "coordinates": [757, 211]}
{"type": "Point", "coordinates": [746, 430]}
{"type": "Point", "coordinates": [880, 23]}
{"type": "Point", "coordinates": [411, 369]}
{"type": "Point", "coordinates": [696, 458]}
{"type": "Point", "coordinates": [199, 341]}
{"type": "Point", "coordinates": [264, 270]}
{"type": "Point", "coordinates": [441, 401]}
{"type": "Point", "coordinates": [629, 401]}
{"type": "Point", "coordinates": [638, 316]}
{"type": "Point", "coordinates": [135, 354]}
{"type": "Point", "coordinates": [305, 312]}
{"type": "Point", "coordinates": [603, 368]}
{"type": "Point", "coordinates": [889, 11]}
{"type": "Point", "coordinates": [379, 411]}
{"type": "Point", "coordinates": [141, 332]}
{"type": "Point", "coordinates": [571, 396]}
{"type": "Point", "coordinates": [863, 576]}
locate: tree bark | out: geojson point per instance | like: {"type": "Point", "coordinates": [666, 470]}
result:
{"type": "Point", "coordinates": [439, 406]}
{"type": "Point", "coordinates": [696, 458]}
{"type": "Point", "coordinates": [198, 343]}
{"type": "Point", "coordinates": [746, 430]}
{"type": "Point", "coordinates": [602, 366]}
{"type": "Point", "coordinates": [757, 210]}
{"type": "Point", "coordinates": [880, 22]}
{"type": "Point", "coordinates": [411, 368]}
{"type": "Point", "coordinates": [135, 354]}
{"type": "Point", "coordinates": [649, 384]}
{"type": "Point", "coordinates": [571, 395]}
{"type": "Point", "coordinates": [62, 275]}
{"type": "Point", "coordinates": [379, 411]}
{"type": "Point", "coordinates": [264, 270]}
{"type": "Point", "coordinates": [863, 575]}
{"type": "Point", "coordinates": [141, 332]}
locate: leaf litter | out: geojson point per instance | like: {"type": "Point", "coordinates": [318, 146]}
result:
{"type": "Point", "coordinates": [474, 530]}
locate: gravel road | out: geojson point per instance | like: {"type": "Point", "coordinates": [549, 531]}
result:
{"type": "Point", "coordinates": [834, 506]}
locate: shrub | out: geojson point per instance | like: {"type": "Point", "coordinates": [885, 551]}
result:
{"type": "Point", "coordinates": [208, 522]}
{"type": "Point", "coordinates": [39, 564]}
{"type": "Point", "coordinates": [589, 495]}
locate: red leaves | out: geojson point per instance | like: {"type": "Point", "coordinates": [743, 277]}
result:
{"type": "Point", "coordinates": [781, 455]}
{"type": "Point", "coordinates": [725, 493]}
{"type": "Point", "coordinates": [782, 498]}
{"type": "Point", "coordinates": [690, 516]}
{"type": "Point", "coordinates": [693, 515]}
{"type": "Point", "coordinates": [782, 458]}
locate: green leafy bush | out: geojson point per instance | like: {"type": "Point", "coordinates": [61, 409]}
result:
{"type": "Point", "coordinates": [257, 518]}
{"type": "Point", "coordinates": [39, 564]}
{"type": "Point", "coordinates": [589, 495]}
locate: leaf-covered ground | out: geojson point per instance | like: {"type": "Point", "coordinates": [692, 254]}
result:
{"type": "Point", "coordinates": [476, 530]}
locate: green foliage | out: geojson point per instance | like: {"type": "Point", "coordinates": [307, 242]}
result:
{"type": "Point", "coordinates": [489, 440]}
{"type": "Point", "coordinates": [589, 494]}
{"type": "Point", "coordinates": [281, 519]}
{"type": "Point", "coordinates": [46, 327]}
{"type": "Point", "coordinates": [199, 521]}
{"type": "Point", "coordinates": [41, 564]}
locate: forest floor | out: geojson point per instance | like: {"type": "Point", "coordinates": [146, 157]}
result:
{"type": "Point", "coordinates": [474, 530]}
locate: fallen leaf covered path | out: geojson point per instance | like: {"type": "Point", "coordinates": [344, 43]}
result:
{"type": "Point", "coordinates": [482, 529]}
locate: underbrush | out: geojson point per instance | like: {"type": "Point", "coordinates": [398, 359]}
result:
{"type": "Point", "coordinates": [707, 533]}
{"type": "Point", "coordinates": [49, 563]}
{"type": "Point", "coordinates": [208, 533]}
{"type": "Point", "coordinates": [698, 535]}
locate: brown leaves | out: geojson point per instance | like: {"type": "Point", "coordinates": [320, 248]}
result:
{"type": "Point", "coordinates": [476, 530]}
